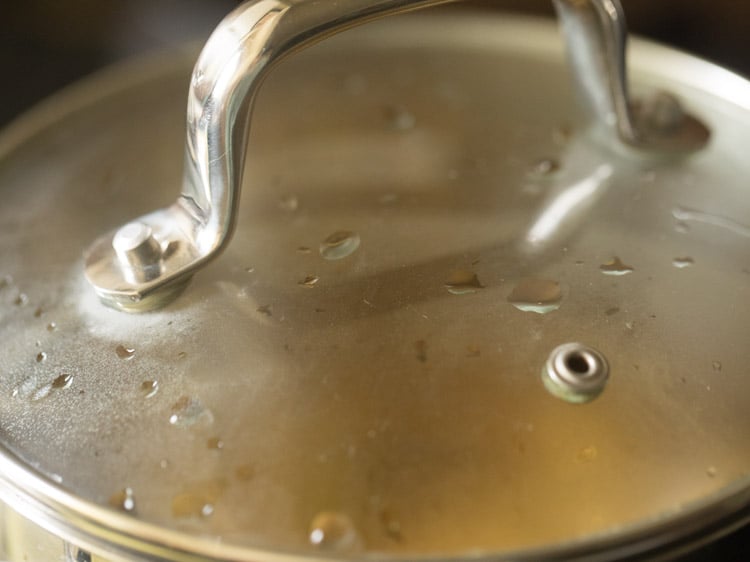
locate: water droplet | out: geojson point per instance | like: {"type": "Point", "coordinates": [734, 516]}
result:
{"type": "Point", "coordinates": [682, 263]}
{"type": "Point", "coordinates": [41, 356]}
{"type": "Point", "coordinates": [182, 355]}
{"type": "Point", "coordinates": [149, 388]}
{"type": "Point", "coordinates": [38, 312]}
{"type": "Point", "coordinates": [339, 245]}
{"type": "Point", "coordinates": [587, 454]}
{"type": "Point", "coordinates": [612, 311]}
{"type": "Point", "coordinates": [289, 203]}
{"type": "Point", "coordinates": [400, 119]}
{"type": "Point", "coordinates": [27, 388]}
{"type": "Point", "coordinates": [473, 350]}
{"type": "Point", "coordinates": [124, 352]}
{"type": "Point", "coordinates": [265, 309]}
{"type": "Point", "coordinates": [51, 327]}
{"type": "Point", "coordinates": [62, 381]}
{"type": "Point", "coordinates": [189, 411]}
{"type": "Point", "coordinates": [463, 282]}
{"type": "Point", "coordinates": [615, 267]}
{"type": "Point", "coordinates": [711, 472]}
{"type": "Point", "coordinates": [310, 281]}
{"type": "Point", "coordinates": [123, 500]}
{"type": "Point", "coordinates": [543, 168]}
{"type": "Point", "coordinates": [420, 347]}
{"type": "Point", "coordinates": [536, 295]}
{"type": "Point", "coordinates": [215, 443]}
{"type": "Point", "coordinates": [6, 281]}
{"type": "Point", "coordinates": [304, 250]}
{"type": "Point", "coordinates": [21, 300]}
{"type": "Point", "coordinates": [249, 269]}
{"type": "Point", "coordinates": [207, 510]}
{"type": "Point", "coordinates": [245, 472]}
{"type": "Point", "coordinates": [333, 531]}
{"type": "Point", "coordinates": [717, 366]}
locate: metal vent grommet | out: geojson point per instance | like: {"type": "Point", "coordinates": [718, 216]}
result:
{"type": "Point", "coordinates": [575, 372]}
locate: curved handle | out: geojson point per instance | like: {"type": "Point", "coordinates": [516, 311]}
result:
{"type": "Point", "coordinates": [145, 264]}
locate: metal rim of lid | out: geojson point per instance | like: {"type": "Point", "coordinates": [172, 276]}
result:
{"type": "Point", "coordinates": [101, 530]}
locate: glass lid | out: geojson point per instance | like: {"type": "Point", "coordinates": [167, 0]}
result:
{"type": "Point", "coordinates": [455, 317]}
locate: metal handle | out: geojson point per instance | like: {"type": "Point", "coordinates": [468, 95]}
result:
{"type": "Point", "coordinates": [146, 263]}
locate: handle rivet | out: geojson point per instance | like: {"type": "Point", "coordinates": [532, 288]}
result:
{"type": "Point", "coordinates": [575, 373]}
{"type": "Point", "coordinates": [138, 252]}
{"type": "Point", "coordinates": [660, 112]}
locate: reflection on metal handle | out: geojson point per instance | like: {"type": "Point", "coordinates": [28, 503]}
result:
{"type": "Point", "coordinates": [148, 262]}
{"type": "Point", "coordinates": [595, 34]}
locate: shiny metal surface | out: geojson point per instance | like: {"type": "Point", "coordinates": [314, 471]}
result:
{"type": "Point", "coordinates": [575, 373]}
{"type": "Point", "coordinates": [438, 393]}
{"type": "Point", "coordinates": [225, 82]}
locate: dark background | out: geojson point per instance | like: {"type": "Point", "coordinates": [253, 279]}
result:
{"type": "Point", "coordinates": [46, 44]}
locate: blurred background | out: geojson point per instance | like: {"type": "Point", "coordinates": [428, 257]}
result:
{"type": "Point", "coordinates": [46, 44]}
